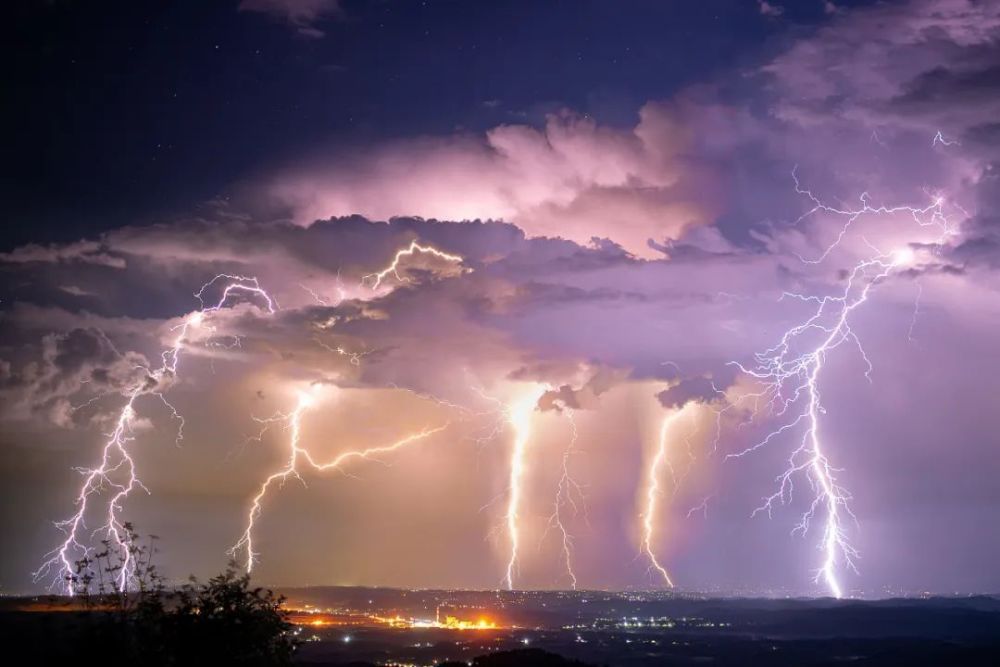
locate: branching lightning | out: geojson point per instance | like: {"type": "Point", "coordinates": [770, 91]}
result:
{"type": "Point", "coordinates": [116, 469]}
{"type": "Point", "coordinates": [298, 456]}
{"type": "Point", "coordinates": [516, 416]}
{"type": "Point", "coordinates": [568, 494]}
{"type": "Point", "coordinates": [653, 493]}
{"type": "Point", "coordinates": [375, 279]}
{"type": "Point", "coordinates": [790, 375]}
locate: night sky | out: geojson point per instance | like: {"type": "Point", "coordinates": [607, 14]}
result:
{"type": "Point", "coordinates": [142, 110]}
{"type": "Point", "coordinates": [670, 258]}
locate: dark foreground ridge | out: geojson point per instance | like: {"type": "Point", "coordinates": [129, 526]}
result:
{"type": "Point", "coordinates": [362, 627]}
{"type": "Point", "coordinates": [529, 657]}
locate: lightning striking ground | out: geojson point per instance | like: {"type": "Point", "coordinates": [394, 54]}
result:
{"type": "Point", "coordinates": [518, 414]}
{"type": "Point", "coordinates": [653, 494]}
{"type": "Point", "coordinates": [567, 493]}
{"type": "Point", "coordinates": [116, 469]}
{"type": "Point", "coordinates": [292, 420]}
{"type": "Point", "coordinates": [790, 373]}
{"type": "Point", "coordinates": [298, 456]}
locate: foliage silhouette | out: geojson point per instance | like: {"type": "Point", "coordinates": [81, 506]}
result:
{"type": "Point", "coordinates": [531, 657]}
{"type": "Point", "coordinates": [224, 621]}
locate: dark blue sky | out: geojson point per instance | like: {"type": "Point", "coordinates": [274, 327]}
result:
{"type": "Point", "coordinates": [138, 110]}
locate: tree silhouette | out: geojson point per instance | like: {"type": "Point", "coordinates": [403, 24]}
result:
{"type": "Point", "coordinates": [223, 621]}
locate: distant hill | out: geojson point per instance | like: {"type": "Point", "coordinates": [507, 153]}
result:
{"type": "Point", "coordinates": [530, 657]}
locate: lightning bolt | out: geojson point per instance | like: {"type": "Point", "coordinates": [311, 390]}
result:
{"type": "Point", "coordinates": [299, 456]}
{"type": "Point", "coordinates": [116, 469]}
{"type": "Point", "coordinates": [653, 494]}
{"type": "Point", "coordinates": [566, 493]}
{"type": "Point", "coordinates": [294, 424]}
{"type": "Point", "coordinates": [931, 215]}
{"type": "Point", "coordinates": [375, 279]}
{"type": "Point", "coordinates": [939, 139]}
{"type": "Point", "coordinates": [790, 372]}
{"type": "Point", "coordinates": [519, 413]}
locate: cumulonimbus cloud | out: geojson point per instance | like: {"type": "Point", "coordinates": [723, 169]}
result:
{"type": "Point", "coordinates": [537, 300]}
{"type": "Point", "coordinates": [571, 179]}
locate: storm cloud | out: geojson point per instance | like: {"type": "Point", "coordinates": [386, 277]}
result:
{"type": "Point", "coordinates": [617, 270]}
